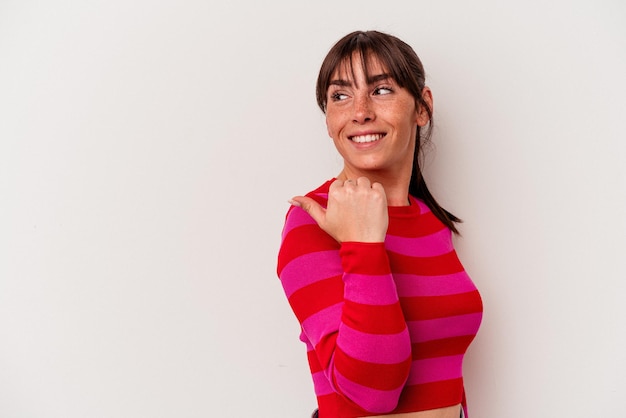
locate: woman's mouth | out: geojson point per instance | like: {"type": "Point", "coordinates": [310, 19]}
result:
{"type": "Point", "coordinates": [362, 139]}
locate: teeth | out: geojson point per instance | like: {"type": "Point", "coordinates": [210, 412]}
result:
{"type": "Point", "coordinates": [366, 138]}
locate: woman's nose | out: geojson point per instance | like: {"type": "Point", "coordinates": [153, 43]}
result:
{"type": "Point", "coordinates": [363, 111]}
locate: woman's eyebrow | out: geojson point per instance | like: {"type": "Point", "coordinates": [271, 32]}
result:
{"type": "Point", "coordinates": [371, 80]}
{"type": "Point", "coordinates": [340, 82]}
{"type": "Point", "coordinates": [376, 78]}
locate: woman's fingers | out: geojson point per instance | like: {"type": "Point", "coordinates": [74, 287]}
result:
{"type": "Point", "coordinates": [363, 182]}
{"type": "Point", "coordinates": [379, 187]}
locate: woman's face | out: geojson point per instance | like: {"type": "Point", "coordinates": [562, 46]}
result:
{"type": "Point", "coordinates": [372, 122]}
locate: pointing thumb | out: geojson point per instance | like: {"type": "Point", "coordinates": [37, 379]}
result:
{"type": "Point", "coordinates": [310, 206]}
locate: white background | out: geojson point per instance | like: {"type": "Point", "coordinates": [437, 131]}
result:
{"type": "Point", "coordinates": [148, 148]}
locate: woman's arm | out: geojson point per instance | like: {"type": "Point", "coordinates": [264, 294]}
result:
{"type": "Point", "coordinates": [345, 299]}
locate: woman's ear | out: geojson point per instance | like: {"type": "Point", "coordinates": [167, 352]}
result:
{"type": "Point", "coordinates": [422, 114]}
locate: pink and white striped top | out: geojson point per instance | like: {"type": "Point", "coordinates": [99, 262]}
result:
{"type": "Point", "coordinates": [386, 325]}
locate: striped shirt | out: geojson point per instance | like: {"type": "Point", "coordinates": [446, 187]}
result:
{"type": "Point", "coordinates": [386, 325]}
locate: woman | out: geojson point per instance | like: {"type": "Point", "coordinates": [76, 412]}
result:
{"type": "Point", "coordinates": [366, 261]}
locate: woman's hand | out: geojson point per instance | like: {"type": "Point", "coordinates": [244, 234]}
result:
{"type": "Point", "coordinates": [356, 211]}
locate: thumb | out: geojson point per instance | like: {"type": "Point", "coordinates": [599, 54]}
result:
{"type": "Point", "coordinates": [310, 206]}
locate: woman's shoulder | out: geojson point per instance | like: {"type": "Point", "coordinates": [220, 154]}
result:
{"type": "Point", "coordinates": [297, 216]}
{"type": "Point", "coordinates": [320, 194]}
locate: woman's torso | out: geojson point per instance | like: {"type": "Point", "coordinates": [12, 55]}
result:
{"type": "Point", "coordinates": [440, 304]}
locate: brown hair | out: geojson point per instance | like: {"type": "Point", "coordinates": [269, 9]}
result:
{"type": "Point", "coordinates": [405, 67]}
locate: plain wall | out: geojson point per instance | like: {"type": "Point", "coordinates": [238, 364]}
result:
{"type": "Point", "coordinates": [148, 149]}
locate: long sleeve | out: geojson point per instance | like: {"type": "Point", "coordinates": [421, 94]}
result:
{"type": "Point", "coordinates": [346, 301]}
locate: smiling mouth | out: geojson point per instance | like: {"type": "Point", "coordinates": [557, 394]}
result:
{"type": "Point", "coordinates": [362, 139]}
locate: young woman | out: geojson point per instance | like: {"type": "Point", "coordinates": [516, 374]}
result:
{"type": "Point", "coordinates": [367, 261]}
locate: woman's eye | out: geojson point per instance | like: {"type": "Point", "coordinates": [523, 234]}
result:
{"type": "Point", "coordinates": [338, 96]}
{"type": "Point", "coordinates": [383, 90]}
